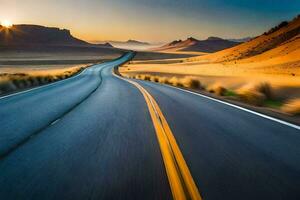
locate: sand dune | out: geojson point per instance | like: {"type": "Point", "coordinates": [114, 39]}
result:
{"type": "Point", "coordinates": [273, 57]}
{"type": "Point", "coordinates": [211, 44]}
{"type": "Point", "coordinates": [279, 41]}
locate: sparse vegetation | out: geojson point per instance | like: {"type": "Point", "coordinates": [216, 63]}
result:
{"type": "Point", "coordinates": [264, 88]}
{"type": "Point", "coordinates": [192, 82]}
{"type": "Point", "coordinates": [276, 28]}
{"type": "Point", "coordinates": [188, 82]}
{"type": "Point", "coordinates": [255, 94]}
{"type": "Point", "coordinates": [259, 94]}
{"type": "Point", "coordinates": [230, 93]}
{"type": "Point", "coordinates": [276, 104]}
{"type": "Point", "coordinates": [217, 89]}
{"type": "Point", "coordinates": [17, 81]}
{"type": "Point", "coordinates": [292, 107]}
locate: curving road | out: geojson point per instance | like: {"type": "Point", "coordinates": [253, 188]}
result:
{"type": "Point", "coordinates": [92, 137]}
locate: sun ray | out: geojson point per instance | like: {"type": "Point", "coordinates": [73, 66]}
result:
{"type": "Point", "coordinates": [6, 23]}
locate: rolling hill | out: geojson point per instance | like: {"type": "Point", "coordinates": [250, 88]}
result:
{"type": "Point", "coordinates": [281, 41]}
{"type": "Point", "coordinates": [211, 44]}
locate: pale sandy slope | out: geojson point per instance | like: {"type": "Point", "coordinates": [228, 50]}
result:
{"type": "Point", "coordinates": [274, 44]}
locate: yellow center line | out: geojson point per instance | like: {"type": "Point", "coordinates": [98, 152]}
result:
{"type": "Point", "coordinates": [180, 179]}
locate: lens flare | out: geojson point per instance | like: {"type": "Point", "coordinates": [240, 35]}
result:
{"type": "Point", "coordinates": [6, 23]}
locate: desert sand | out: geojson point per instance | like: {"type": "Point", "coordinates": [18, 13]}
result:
{"type": "Point", "coordinates": [273, 57]}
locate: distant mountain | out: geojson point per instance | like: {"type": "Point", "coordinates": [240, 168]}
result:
{"type": "Point", "coordinates": [281, 40]}
{"type": "Point", "coordinates": [135, 42]}
{"type": "Point", "coordinates": [211, 44]}
{"type": "Point", "coordinates": [246, 39]}
{"type": "Point", "coordinates": [25, 34]}
{"type": "Point", "coordinates": [106, 44]}
{"type": "Point", "coordinates": [131, 44]}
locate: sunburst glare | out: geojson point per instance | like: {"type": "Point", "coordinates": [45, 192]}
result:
{"type": "Point", "coordinates": [6, 23]}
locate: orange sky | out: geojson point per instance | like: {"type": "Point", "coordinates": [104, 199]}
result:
{"type": "Point", "coordinates": [153, 21]}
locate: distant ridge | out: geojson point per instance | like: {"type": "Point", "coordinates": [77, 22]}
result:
{"type": "Point", "coordinates": [245, 39]}
{"type": "Point", "coordinates": [27, 34]}
{"type": "Point", "coordinates": [281, 40]}
{"type": "Point", "coordinates": [135, 42]}
{"type": "Point", "coordinates": [128, 43]}
{"type": "Point", "coordinates": [131, 44]}
{"type": "Point", "coordinates": [211, 44]}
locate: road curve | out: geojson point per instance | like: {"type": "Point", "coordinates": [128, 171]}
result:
{"type": "Point", "coordinates": [104, 145]}
{"type": "Point", "coordinates": [26, 113]}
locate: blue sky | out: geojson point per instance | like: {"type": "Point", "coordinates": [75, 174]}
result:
{"type": "Point", "coordinates": [155, 20]}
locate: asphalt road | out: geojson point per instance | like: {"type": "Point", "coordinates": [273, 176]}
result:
{"type": "Point", "coordinates": [91, 137]}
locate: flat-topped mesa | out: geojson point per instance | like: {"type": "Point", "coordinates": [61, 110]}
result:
{"type": "Point", "coordinates": [26, 34]}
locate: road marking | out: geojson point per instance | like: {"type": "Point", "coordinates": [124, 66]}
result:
{"type": "Point", "coordinates": [180, 179]}
{"type": "Point", "coordinates": [55, 121]}
{"type": "Point", "coordinates": [240, 108]}
{"type": "Point", "coordinates": [53, 83]}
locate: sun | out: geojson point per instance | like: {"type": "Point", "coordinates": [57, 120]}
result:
{"type": "Point", "coordinates": [6, 23]}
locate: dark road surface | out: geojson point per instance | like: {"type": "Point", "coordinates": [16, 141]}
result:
{"type": "Point", "coordinates": [91, 137]}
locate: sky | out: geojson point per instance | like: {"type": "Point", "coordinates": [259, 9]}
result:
{"type": "Point", "coordinates": [152, 20]}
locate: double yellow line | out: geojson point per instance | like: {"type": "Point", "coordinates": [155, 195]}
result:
{"type": "Point", "coordinates": [180, 179]}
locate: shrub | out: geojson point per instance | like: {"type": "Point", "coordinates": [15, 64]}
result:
{"type": "Point", "coordinates": [276, 28]}
{"type": "Point", "coordinates": [175, 81]}
{"type": "Point", "coordinates": [292, 107]}
{"type": "Point", "coordinates": [162, 79]}
{"type": "Point", "coordinates": [147, 77]}
{"type": "Point", "coordinates": [7, 86]}
{"type": "Point", "coordinates": [264, 88]}
{"type": "Point", "coordinates": [139, 76]}
{"type": "Point", "coordinates": [250, 95]}
{"type": "Point", "coordinates": [191, 82]}
{"type": "Point", "coordinates": [217, 89]}
{"type": "Point", "coordinates": [154, 79]}
{"type": "Point", "coordinates": [165, 80]}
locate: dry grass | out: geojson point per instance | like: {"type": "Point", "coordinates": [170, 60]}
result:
{"type": "Point", "coordinates": [164, 80]}
{"type": "Point", "coordinates": [292, 107]}
{"type": "Point", "coordinates": [255, 94]}
{"type": "Point", "coordinates": [176, 82]}
{"type": "Point", "coordinates": [16, 81]}
{"type": "Point", "coordinates": [188, 82]}
{"type": "Point", "coordinates": [217, 89]}
{"type": "Point", "coordinates": [265, 88]}
{"type": "Point", "coordinates": [192, 82]}
{"type": "Point", "coordinates": [154, 79]}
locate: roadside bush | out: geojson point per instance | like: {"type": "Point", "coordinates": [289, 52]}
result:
{"type": "Point", "coordinates": [154, 79]}
{"type": "Point", "coordinates": [147, 77]}
{"type": "Point", "coordinates": [264, 88]}
{"type": "Point", "coordinates": [7, 86]}
{"type": "Point", "coordinates": [12, 82]}
{"type": "Point", "coordinates": [175, 81]}
{"type": "Point", "coordinates": [217, 89]}
{"type": "Point", "coordinates": [248, 94]}
{"type": "Point", "coordinates": [166, 80]}
{"type": "Point", "coordinates": [191, 82]}
{"type": "Point", "coordinates": [292, 107]}
{"type": "Point", "coordinates": [162, 79]}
